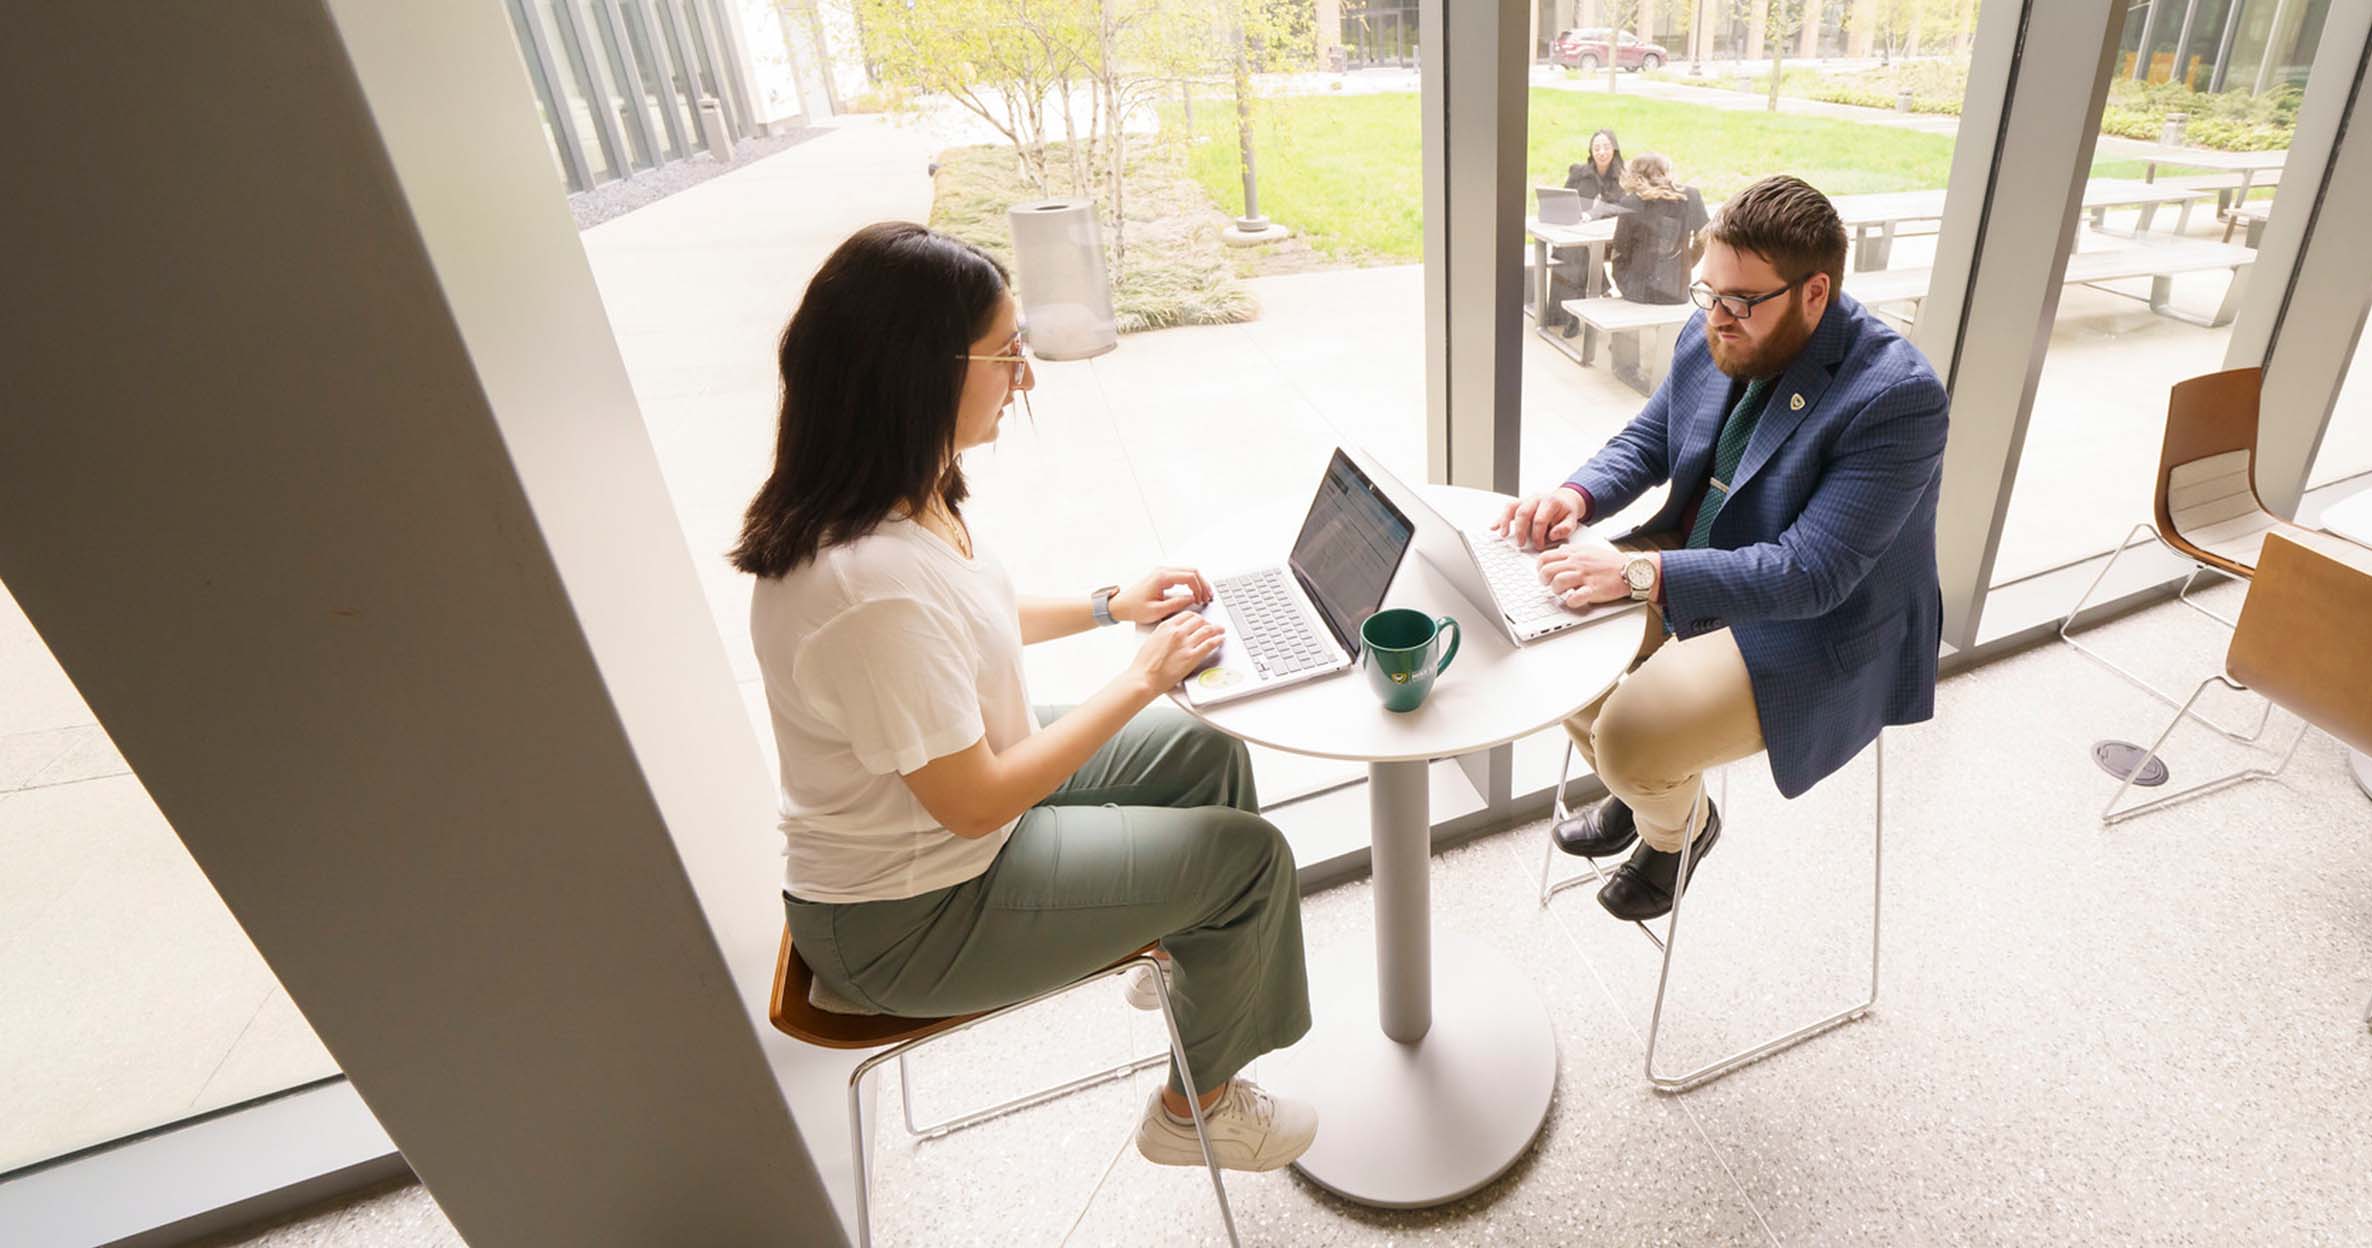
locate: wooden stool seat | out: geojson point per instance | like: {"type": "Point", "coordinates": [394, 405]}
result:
{"type": "Point", "coordinates": [796, 1016]}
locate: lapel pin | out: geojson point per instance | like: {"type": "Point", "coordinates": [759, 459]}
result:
{"type": "Point", "coordinates": [1796, 403]}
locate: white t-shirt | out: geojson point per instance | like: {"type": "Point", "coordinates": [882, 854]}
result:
{"type": "Point", "coordinates": [880, 655]}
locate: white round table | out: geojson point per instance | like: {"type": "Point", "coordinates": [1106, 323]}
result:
{"type": "Point", "coordinates": [1433, 1074]}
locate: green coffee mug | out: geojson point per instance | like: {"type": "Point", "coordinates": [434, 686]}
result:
{"type": "Point", "coordinates": [1400, 647]}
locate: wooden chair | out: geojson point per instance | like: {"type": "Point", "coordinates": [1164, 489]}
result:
{"type": "Point", "coordinates": [2300, 645]}
{"type": "Point", "coordinates": [2206, 507]}
{"type": "Point", "coordinates": [795, 1016]}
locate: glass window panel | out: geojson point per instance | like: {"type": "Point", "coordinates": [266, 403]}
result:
{"type": "Point", "coordinates": [2347, 441]}
{"type": "Point", "coordinates": [577, 88]}
{"type": "Point", "coordinates": [133, 998]}
{"type": "Point", "coordinates": [2150, 292]}
{"type": "Point", "coordinates": [543, 93]}
{"type": "Point", "coordinates": [652, 76]}
{"type": "Point", "coordinates": [1712, 122]}
{"type": "Point", "coordinates": [626, 101]}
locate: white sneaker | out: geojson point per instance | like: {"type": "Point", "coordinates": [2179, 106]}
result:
{"type": "Point", "coordinates": [1142, 992]}
{"type": "Point", "coordinates": [1249, 1129]}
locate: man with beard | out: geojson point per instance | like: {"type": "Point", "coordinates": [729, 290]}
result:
{"type": "Point", "coordinates": [1791, 574]}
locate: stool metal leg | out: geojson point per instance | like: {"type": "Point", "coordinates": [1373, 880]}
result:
{"type": "Point", "coordinates": [1722, 1066]}
{"type": "Point", "coordinates": [1210, 1160]}
{"type": "Point", "coordinates": [1558, 812]}
{"type": "Point", "coordinates": [2067, 633]}
{"type": "Point", "coordinates": [2109, 814]}
{"type": "Point", "coordinates": [932, 1131]}
{"type": "Point", "coordinates": [898, 1052]}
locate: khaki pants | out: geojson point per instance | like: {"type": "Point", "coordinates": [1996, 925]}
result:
{"type": "Point", "coordinates": [1683, 707]}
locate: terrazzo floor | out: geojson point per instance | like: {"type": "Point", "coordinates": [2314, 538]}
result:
{"type": "Point", "coordinates": [2144, 1034]}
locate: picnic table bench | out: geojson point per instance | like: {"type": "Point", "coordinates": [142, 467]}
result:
{"type": "Point", "coordinates": [2160, 262]}
{"type": "Point", "coordinates": [2253, 215]}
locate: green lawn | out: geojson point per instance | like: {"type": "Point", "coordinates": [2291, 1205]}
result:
{"type": "Point", "coordinates": [1344, 170]}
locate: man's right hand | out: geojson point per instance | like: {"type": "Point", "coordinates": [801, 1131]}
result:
{"type": "Point", "coordinates": [1541, 520]}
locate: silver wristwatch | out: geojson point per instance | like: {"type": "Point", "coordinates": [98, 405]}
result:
{"type": "Point", "coordinates": [1639, 574]}
{"type": "Point", "coordinates": [1100, 602]}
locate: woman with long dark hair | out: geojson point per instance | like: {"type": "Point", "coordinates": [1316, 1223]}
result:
{"type": "Point", "coordinates": [951, 848]}
{"type": "Point", "coordinates": [1599, 180]}
{"type": "Point", "coordinates": [1601, 177]}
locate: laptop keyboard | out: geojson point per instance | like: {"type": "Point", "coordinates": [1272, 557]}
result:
{"type": "Point", "coordinates": [1270, 625]}
{"type": "Point", "coordinates": [1515, 578]}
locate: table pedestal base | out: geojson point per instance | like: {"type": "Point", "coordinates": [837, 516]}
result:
{"type": "Point", "coordinates": [1403, 1126]}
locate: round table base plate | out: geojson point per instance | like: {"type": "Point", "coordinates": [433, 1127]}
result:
{"type": "Point", "coordinates": [1407, 1126]}
{"type": "Point", "coordinates": [2361, 765]}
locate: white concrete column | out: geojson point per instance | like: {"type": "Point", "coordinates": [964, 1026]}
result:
{"type": "Point", "coordinates": [1474, 112]}
{"type": "Point", "coordinates": [322, 478]}
{"type": "Point", "coordinates": [1758, 17]}
{"type": "Point", "coordinates": [1864, 28]}
{"type": "Point", "coordinates": [1808, 37]}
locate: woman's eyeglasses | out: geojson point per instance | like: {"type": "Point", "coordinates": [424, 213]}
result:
{"type": "Point", "coordinates": [1016, 358]}
{"type": "Point", "coordinates": [1016, 353]}
{"type": "Point", "coordinates": [1740, 307]}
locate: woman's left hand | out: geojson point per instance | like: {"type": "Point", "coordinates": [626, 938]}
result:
{"type": "Point", "coordinates": [1149, 601]}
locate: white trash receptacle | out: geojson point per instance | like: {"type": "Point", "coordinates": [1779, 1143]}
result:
{"type": "Point", "coordinates": [1058, 250]}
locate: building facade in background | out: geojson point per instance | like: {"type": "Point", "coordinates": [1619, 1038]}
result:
{"type": "Point", "coordinates": [625, 86]}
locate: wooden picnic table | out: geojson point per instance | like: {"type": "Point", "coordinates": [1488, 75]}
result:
{"type": "Point", "coordinates": [1872, 219]}
{"type": "Point", "coordinates": [1546, 239]}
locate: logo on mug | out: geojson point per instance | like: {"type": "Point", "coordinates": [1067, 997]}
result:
{"type": "Point", "coordinates": [1402, 678]}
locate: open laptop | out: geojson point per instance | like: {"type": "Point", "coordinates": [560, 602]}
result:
{"type": "Point", "coordinates": [1491, 570]}
{"type": "Point", "coordinates": [1558, 205]}
{"type": "Point", "coordinates": [1299, 620]}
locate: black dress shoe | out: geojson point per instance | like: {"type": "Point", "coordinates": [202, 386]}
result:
{"type": "Point", "coordinates": [1642, 887]}
{"type": "Point", "coordinates": [1599, 830]}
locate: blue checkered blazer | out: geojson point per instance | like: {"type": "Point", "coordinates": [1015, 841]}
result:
{"type": "Point", "coordinates": [1822, 561]}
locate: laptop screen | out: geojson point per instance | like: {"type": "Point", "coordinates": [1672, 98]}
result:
{"type": "Point", "coordinates": [1350, 545]}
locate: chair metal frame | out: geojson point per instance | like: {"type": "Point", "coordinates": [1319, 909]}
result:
{"type": "Point", "coordinates": [2067, 629]}
{"type": "Point", "coordinates": [1719, 1067]}
{"type": "Point", "coordinates": [899, 1050]}
{"type": "Point", "coordinates": [953, 1123]}
{"type": "Point", "coordinates": [2109, 814]}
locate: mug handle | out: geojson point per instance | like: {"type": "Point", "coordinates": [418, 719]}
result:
{"type": "Point", "coordinates": [1446, 624]}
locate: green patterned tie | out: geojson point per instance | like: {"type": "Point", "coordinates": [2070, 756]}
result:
{"type": "Point", "coordinates": [1726, 453]}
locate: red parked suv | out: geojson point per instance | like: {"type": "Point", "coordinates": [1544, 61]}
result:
{"type": "Point", "coordinates": [1585, 49]}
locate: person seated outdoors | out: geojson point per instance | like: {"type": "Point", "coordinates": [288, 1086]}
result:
{"type": "Point", "coordinates": [1658, 240]}
{"type": "Point", "coordinates": [1791, 575]}
{"type": "Point", "coordinates": [1600, 178]}
{"type": "Point", "coordinates": [1659, 237]}
{"type": "Point", "coordinates": [951, 849]}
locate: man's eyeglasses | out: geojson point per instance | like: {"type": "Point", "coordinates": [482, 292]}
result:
{"type": "Point", "coordinates": [1740, 307]}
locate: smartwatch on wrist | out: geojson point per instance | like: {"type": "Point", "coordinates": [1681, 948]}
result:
{"type": "Point", "coordinates": [1100, 602]}
{"type": "Point", "coordinates": [1639, 574]}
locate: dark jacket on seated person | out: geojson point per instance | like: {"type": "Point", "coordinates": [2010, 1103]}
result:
{"type": "Point", "coordinates": [1655, 248]}
{"type": "Point", "coordinates": [1822, 563]}
{"type": "Point", "coordinates": [1586, 179]}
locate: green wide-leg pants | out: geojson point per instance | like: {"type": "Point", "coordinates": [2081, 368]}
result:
{"type": "Point", "coordinates": [1157, 837]}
